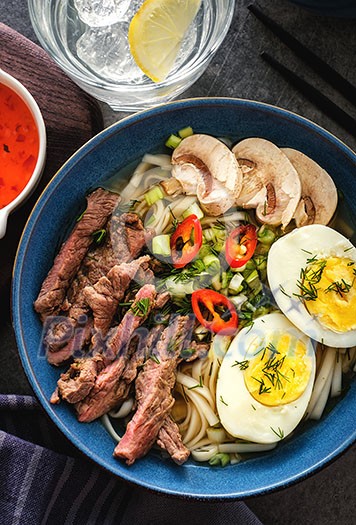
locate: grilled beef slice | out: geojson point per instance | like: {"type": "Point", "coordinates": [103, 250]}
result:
{"type": "Point", "coordinates": [124, 240]}
{"type": "Point", "coordinates": [169, 439]}
{"type": "Point", "coordinates": [113, 384]}
{"type": "Point", "coordinates": [104, 296]}
{"type": "Point", "coordinates": [153, 394]}
{"type": "Point", "coordinates": [119, 337]}
{"type": "Point", "coordinates": [100, 205]}
{"type": "Point", "coordinates": [77, 338]}
{"type": "Point", "coordinates": [78, 381]}
{"type": "Point", "coordinates": [119, 340]}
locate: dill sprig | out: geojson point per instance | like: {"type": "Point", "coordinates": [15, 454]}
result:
{"type": "Point", "coordinates": [307, 293]}
{"type": "Point", "coordinates": [199, 385]}
{"type": "Point", "coordinates": [219, 225]}
{"type": "Point", "coordinates": [155, 358]}
{"type": "Point", "coordinates": [340, 287]}
{"type": "Point", "coordinates": [223, 402]}
{"type": "Point", "coordinates": [263, 388]}
{"type": "Point", "coordinates": [99, 236]}
{"type": "Point", "coordinates": [192, 270]}
{"type": "Point", "coordinates": [184, 307]}
{"type": "Point", "coordinates": [141, 308]}
{"type": "Point", "coordinates": [279, 432]}
{"type": "Point", "coordinates": [283, 291]}
{"type": "Point", "coordinates": [313, 273]}
{"type": "Point", "coordinates": [243, 365]}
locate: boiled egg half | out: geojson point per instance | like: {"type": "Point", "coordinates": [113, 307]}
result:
{"type": "Point", "coordinates": [265, 380]}
{"type": "Point", "coordinates": [312, 275]}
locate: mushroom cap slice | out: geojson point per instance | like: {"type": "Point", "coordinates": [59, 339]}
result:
{"type": "Point", "coordinates": [319, 194]}
{"type": "Point", "coordinates": [270, 182]}
{"type": "Point", "coordinates": [207, 168]}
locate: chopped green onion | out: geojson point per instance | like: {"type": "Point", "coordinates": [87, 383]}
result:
{"type": "Point", "coordinates": [193, 209]}
{"type": "Point", "coordinates": [220, 459]}
{"type": "Point", "coordinates": [211, 262]}
{"type": "Point", "coordinates": [235, 285]}
{"type": "Point", "coordinates": [266, 235]}
{"type": "Point", "coordinates": [215, 282]}
{"type": "Point", "coordinates": [260, 261]}
{"type": "Point", "coordinates": [209, 234]}
{"type": "Point", "coordinates": [153, 195]}
{"type": "Point", "coordinates": [250, 265]}
{"type": "Point", "coordinates": [238, 300]}
{"type": "Point", "coordinates": [251, 276]}
{"type": "Point", "coordinates": [185, 132]}
{"type": "Point", "coordinates": [161, 245]}
{"type": "Point", "coordinates": [204, 251]}
{"type": "Point", "coordinates": [173, 141]}
{"type": "Point", "coordinates": [219, 246]}
{"type": "Point", "coordinates": [224, 280]}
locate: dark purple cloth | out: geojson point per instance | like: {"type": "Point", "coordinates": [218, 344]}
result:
{"type": "Point", "coordinates": [45, 480]}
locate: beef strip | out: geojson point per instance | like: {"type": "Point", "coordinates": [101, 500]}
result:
{"type": "Point", "coordinates": [100, 205]}
{"type": "Point", "coordinates": [78, 381]}
{"type": "Point", "coordinates": [119, 339]}
{"type": "Point", "coordinates": [74, 347]}
{"type": "Point", "coordinates": [118, 247]}
{"type": "Point", "coordinates": [128, 236]}
{"type": "Point", "coordinates": [169, 439]}
{"type": "Point", "coordinates": [104, 296]}
{"type": "Point", "coordinates": [124, 240]}
{"type": "Point", "coordinates": [153, 394]}
{"type": "Point", "coordinates": [113, 384]}
{"type": "Point", "coordinates": [100, 399]}
{"type": "Point", "coordinates": [119, 336]}
{"type": "Point", "coordinates": [195, 351]}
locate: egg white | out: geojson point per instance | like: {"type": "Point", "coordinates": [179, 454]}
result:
{"type": "Point", "coordinates": [287, 256]}
{"type": "Point", "coordinates": [240, 413]}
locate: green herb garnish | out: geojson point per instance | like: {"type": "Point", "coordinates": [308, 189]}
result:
{"type": "Point", "coordinates": [279, 432]}
{"type": "Point", "coordinates": [142, 307]}
{"type": "Point", "coordinates": [243, 365]}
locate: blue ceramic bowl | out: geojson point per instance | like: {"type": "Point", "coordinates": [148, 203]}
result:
{"type": "Point", "coordinates": [114, 148]}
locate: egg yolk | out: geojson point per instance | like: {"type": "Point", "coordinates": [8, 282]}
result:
{"type": "Point", "coordinates": [280, 371]}
{"type": "Point", "coordinates": [333, 301]}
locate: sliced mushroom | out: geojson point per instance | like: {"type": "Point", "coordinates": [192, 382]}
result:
{"type": "Point", "coordinates": [270, 182]}
{"type": "Point", "coordinates": [207, 168]}
{"type": "Point", "coordinates": [319, 194]}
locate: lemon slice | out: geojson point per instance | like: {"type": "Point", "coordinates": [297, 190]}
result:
{"type": "Point", "coordinates": [156, 33]}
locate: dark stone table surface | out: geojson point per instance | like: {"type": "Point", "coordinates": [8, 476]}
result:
{"type": "Point", "coordinates": [327, 497]}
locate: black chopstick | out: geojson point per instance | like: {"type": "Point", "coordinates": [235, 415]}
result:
{"type": "Point", "coordinates": [311, 93]}
{"type": "Point", "coordinates": [326, 72]}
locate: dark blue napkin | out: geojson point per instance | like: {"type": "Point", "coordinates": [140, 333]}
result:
{"type": "Point", "coordinates": [45, 480]}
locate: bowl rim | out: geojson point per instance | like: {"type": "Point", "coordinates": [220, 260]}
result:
{"type": "Point", "coordinates": [19, 89]}
{"type": "Point", "coordinates": [130, 476]}
{"type": "Point", "coordinates": [112, 87]}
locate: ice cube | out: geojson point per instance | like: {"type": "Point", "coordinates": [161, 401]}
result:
{"type": "Point", "coordinates": [98, 13]}
{"type": "Point", "coordinates": [106, 51]}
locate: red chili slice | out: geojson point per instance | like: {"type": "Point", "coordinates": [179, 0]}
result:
{"type": "Point", "coordinates": [219, 314]}
{"type": "Point", "coordinates": [241, 245]}
{"type": "Point", "coordinates": [186, 241]}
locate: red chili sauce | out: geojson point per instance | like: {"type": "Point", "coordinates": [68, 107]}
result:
{"type": "Point", "coordinates": [19, 145]}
